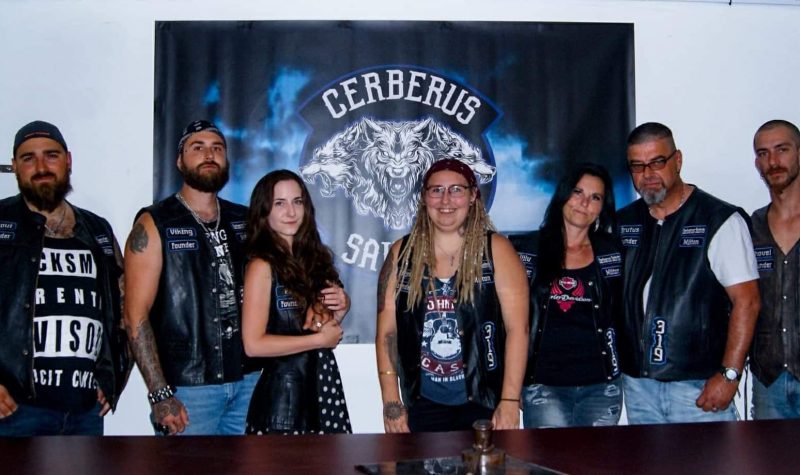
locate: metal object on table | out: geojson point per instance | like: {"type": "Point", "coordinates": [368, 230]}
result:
{"type": "Point", "coordinates": [483, 457]}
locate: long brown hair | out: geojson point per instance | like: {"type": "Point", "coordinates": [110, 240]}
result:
{"type": "Point", "coordinates": [307, 268]}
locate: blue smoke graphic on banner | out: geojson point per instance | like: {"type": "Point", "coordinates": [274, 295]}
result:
{"type": "Point", "coordinates": [361, 109]}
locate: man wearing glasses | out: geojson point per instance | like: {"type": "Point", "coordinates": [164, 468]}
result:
{"type": "Point", "coordinates": [691, 294]}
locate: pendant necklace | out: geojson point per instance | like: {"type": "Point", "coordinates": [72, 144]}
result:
{"type": "Point", "coordinates": [52, 232]}
{"type": "Point", "coordinates": [450, 257]}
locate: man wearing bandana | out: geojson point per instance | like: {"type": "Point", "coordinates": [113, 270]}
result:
{"type": "Point", "coordinates": [184, 271]}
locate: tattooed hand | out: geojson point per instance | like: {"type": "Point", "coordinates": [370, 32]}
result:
{"type": "Point", "coordinates": [171, 414]}
{"type": "Point", "coordinates": [395, 417]}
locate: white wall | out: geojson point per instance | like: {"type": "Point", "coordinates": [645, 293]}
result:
{"type": "Point", "coordinates": [712, 72]}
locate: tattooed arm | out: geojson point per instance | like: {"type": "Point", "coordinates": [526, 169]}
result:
{"type": "Point", "coordinates": [395, 418]}
{"type": "Point", "coordinates": [143, 263]}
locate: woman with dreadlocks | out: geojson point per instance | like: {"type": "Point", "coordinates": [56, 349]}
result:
{"type": "Point", "coordinates": [452, 333]}
{"type": "Point", "coordinates": [293, 305]}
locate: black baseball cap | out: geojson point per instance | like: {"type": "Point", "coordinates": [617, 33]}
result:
{"type": "Point", "coordinates": [38, 129]}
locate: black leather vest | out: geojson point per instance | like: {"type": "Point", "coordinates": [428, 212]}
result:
{"type": "Point", "coordinates": [606, 290]}
{"type": "Point", "coordinates": [185, 314]}
{"type": "Point", "coordinates": [682, 332]}
{"type": "Point", "coordinates": [482, 339]}
{"type": "Point", "coordinates": [776, 341]}
{"type": "Point", "coordinates": [21, 243]}
{"type": "Point", "coordinates": [287, 391]}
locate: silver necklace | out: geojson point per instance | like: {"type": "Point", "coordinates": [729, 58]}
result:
{"type": "Point", "coordinates": [450, 257]}
{"type": "Point", "coordinates": [197, 217]}
{"type": "Point", "coordinates": [51, 232]}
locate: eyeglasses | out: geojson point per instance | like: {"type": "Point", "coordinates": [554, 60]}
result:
{"type": "Point", "coordinates": [655, 164]}
{"type": "Point", "coordinates": [456, 191]}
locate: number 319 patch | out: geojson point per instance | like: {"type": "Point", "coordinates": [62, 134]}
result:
{"type": "Point", "coordinates": [658, 351]}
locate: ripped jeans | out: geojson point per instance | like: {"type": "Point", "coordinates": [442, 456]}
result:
{"type": "Point", "coordinates": [572, 406]}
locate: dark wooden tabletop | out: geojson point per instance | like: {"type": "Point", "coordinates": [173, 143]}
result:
{"type": "Point", "coordinates": [764, 447]}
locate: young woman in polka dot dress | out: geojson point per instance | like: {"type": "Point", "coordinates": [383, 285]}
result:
{"type": "Point", "coordinates": [291, 315]}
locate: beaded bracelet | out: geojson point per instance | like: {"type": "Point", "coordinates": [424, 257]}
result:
{"type": "Point", "coordinates": [161, 394]}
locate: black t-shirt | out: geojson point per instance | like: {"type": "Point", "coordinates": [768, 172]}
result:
{"type": "Point", "coordinates": [67, 327]}
{"type": "Point", "coordinates": [227, 303]}
{"type": "Point", "coordinates": [568, 354]}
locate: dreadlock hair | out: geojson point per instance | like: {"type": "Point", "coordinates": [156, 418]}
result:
{"type": "Point", "coordinates": [307, 267]}
{"type": "Point", "coordinates": [419, 253]}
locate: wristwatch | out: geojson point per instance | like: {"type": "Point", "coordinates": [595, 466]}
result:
{"type": "Point", "coordinates": [731, 375]}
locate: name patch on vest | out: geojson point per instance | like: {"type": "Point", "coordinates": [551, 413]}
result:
{"type": "Point", "coordinates": [487, 335]}
{"type": "Point", "coordinates": [765, 258]}
{"type": "Point", "coordinates": [630, 234]}
{"type": "Point", "coordinates": [610, 264]}
{"type": "Point", "coordinates": [181, 233]}
{"type": "Point", "coordinates": [177, 239]}
{"type": "Point", "coordinates": [285, 300]}
{"type": "Point", "coordinates": [105, 244]}
{"type": "Point", "coordinates": [487, 276]}
{"type": "Point", "coordinates": [658, 352]}
{"type": "Point", "coordinates": [183, 245]}
{"type": "Point", "coordinates": [693, 235]}
{"type": "Point", "coordinates": [529, 262]}
{"type": "Point", "coordinates": [239, 227]}
{"type": "Point", "coordinates": [7, 229]}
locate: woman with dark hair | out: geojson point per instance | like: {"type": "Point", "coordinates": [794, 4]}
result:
{"type": "Point", "coordinates": [452, 305]}
{"type": "Point", "coordinates": [293, 305]}
{"type": "Point", "coordinates": [574, 267]}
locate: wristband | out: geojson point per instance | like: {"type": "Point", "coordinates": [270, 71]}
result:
{"type": "Point", "coordinates": [387, 373]}
{"type": "Point", "coordinates": [509, 399]}
{"type": "Point", "coordinates": [162, 394]}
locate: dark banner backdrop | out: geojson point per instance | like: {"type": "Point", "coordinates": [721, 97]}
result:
{"type": "Point", "coordinates": [361, 109]}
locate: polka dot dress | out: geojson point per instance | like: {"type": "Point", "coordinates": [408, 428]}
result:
{"type": "Point", "coordinates": [329, 413]}
{"type": "Point", "coordinates": [333, 415]}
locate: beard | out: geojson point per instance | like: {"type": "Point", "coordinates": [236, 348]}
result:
{"type": "Point", "coordinates": [205, 182]}
{"type": "Point", "coordinates": [775, 186]}
{"type": "Point", "coordinates": [654, 197]}
{"type": "Point", "coordinates": [45, 196]}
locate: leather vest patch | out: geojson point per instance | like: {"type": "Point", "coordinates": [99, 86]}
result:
{"type": "Point", "coordinates": [765, 258]}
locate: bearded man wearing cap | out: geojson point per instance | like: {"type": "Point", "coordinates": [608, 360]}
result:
{"type": "Point", "coordinates": [63, 361]}
{"type": "Point", "coordinates": [184, 269]}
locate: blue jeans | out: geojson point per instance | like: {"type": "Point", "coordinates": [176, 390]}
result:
{"type": "Point", "coordinates": [28, 421]}
{"type": "Point", "coordinates": [781, 400]}
{"type": "Point", "coordinates": [571, 406]}
{"type": "Point", "coordinates": [649, 401]}
{"type": "Point", "coordinates": [217, 409]}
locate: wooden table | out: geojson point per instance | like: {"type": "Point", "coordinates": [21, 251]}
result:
{"type": "Point", "coordinates": [764, 447]}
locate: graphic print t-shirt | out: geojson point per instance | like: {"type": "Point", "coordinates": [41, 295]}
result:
{"type": "Point", "coordinates": [569, 353]}
{"type": "Point", "coordinates": [227, 305]}
{"type": "Point", "coordinates": [441, 356]}
{"type": "Point", "coordinates": [67, 328]}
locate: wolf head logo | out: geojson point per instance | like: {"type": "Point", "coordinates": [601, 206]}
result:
{"type": "Point", "coordinates": [379, 165]}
